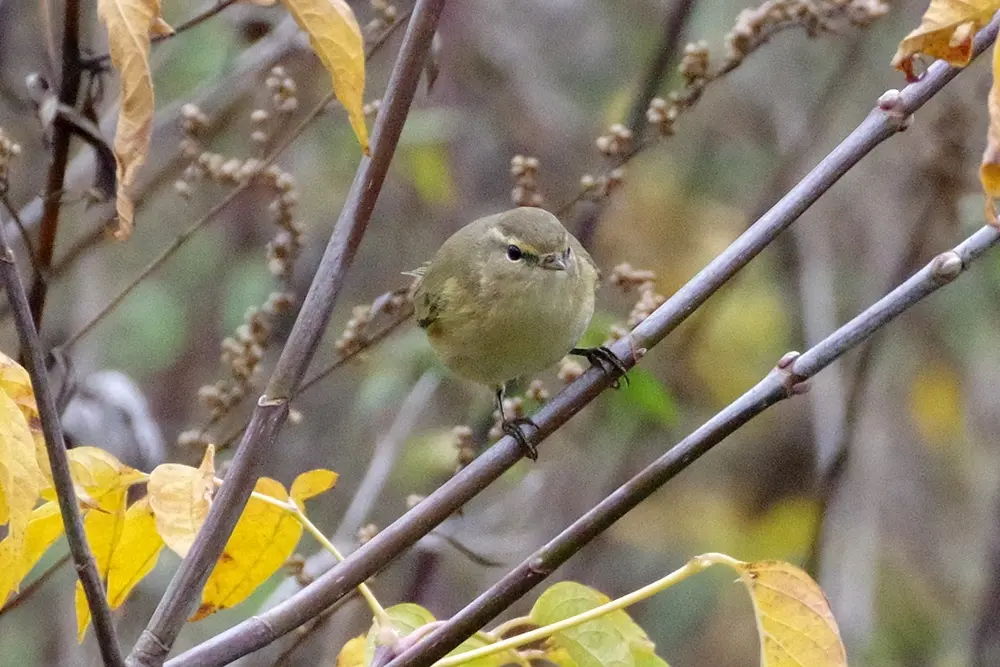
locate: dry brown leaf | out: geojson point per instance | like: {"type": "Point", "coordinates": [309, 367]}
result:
{"type": "Point", "coordinates": [336, 38]}
{"type": "Point", "coordinates": [130, 24]}
{"type": "Point", "coordinates": [945, 32]}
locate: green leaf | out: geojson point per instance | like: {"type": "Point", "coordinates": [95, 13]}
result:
{"type": "Point", "coordinates": [405, 618]}
{"type": "Point", "coordinates": [613, 640]}
{"type": "Point", "coordinates": [646, 395]}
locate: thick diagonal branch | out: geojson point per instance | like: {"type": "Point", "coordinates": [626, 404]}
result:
{"type": "Point", "coordinates": [888, 118]}
{"type": "Point", "coordinates": [272, 408]}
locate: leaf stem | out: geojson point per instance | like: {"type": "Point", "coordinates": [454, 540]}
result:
{"type": "Point", "coordinates": [692, 567]}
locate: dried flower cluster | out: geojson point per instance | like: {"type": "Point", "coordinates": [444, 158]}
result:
{"type": "Point", "coordinates": [524, 169]}
{"type": "Point", "coordinates": [241, 355]}
{"type": "Point", "coordinates": [629, 279]}
{"type": "Point", "coordinates": [354, 338]}
{"type": "Point", "coordinates": [284, 248]}
{"type": "Point", "coordinates": [755, 26]}
{"type": "Point", "coordinates": [385, 14]}
{"type": "Point", "coordinates": [9, 149]}
{"type": "Point", "coordinates": [464, 445]}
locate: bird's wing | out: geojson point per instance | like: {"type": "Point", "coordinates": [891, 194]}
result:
{"type": "Point", "coordinates": [428, 299]}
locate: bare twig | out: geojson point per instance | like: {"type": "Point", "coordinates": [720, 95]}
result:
{"type": "Point", "coordinates": [787, 379]}
{"type": "Point", "coordinates": [674, 22]}
{"type": "Point", "coordinates": [28, 591]}
{"type": "Point", "coordinates": [34, 359]}
{"type": "Point", "coordinates": [883, 122]}
{"type": "Point", "coordinates": [25, 237]}
{"type": "Point", "coordinates": [384, 456]}
{"type": "Point", "coordinates": [211, 214]}
{"type": "Point", "coordinates": [195, 20]}
{"type": "Point", "coordinates": [272, 408]}
{"type": "Point", "coordinates": [69, 89]}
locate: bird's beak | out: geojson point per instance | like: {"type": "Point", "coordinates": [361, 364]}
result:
{"type": "Point", "coordinates": [553, 262]}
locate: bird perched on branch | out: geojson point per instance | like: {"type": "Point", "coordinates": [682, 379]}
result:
{"type": "Point", "coordinates": [507, 296]}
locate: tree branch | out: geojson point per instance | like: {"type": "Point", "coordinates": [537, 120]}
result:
{"type": "Point", "coordinates": [272, 407]}
{"type": "Point", "coordinates": [34, 360]}
{"type": "Point", "coordinates": [883, 122]}
{"type": "Point", "coordinates": [665, 54]}
{"type": "Point", "coordinates": [786, 380]}
{"type": "Point", "coordinates": [69, 88]}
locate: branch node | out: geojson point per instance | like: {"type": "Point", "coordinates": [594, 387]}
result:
{"type": "Point", "coordinates": [793, 383]}
{"type": "Point", "coordinates": [891, 103]}
{"type": "Point", "coordinates": [266, 401]}
{"type": "Point", "coordinates": [946, 267]}
{"type": "Point", "coordinates": [540, 565]}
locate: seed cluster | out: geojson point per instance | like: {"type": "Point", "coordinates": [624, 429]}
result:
{"type": "Point", "coordinates": [355, 335]}
{"type": "Point", "coordinates": [385, 14]}
{"type": "Point", "coordinates": [524, 169]}
{"type": "Point", "coordinates": [629, 279]}
{"type": "Point", "coordinates": [9, 150]}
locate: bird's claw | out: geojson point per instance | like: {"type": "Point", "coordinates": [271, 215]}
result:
{"type": "Point", "coordinates": [602, 357]}
{"type": "Point", "coordinates": [512, 428]}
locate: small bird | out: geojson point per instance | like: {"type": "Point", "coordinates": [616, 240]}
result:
{"type": "Point", "coordinates": [507, 296]}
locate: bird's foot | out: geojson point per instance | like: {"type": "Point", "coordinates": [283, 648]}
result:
{"type": "Point", "coordinates": [607, 361]}
{"type": "Point", "coordinates": [512, 427]}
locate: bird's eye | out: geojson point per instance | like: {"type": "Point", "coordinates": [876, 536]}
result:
{"type": "Point", "coordinates": [514, 253]}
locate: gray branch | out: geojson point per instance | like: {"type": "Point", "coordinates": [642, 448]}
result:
{"type": "Point", "coordinates": [55, 445]}
{"type": "Point", "coordinates": [272, 408]}
{"type": "Point", "coordinates": [889, 117]}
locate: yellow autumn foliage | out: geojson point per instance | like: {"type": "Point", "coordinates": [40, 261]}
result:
{"type": "Point", "coordinates": [336, 38]}
{"type": "Point", "coordinates": [180, 497]}
{"type": "Point", "coordinates": [130, 23]}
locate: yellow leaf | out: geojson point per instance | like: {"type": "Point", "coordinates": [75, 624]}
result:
{"type": "Point", "coordinates": [264, 538]}
{"type": "Point", "coordinates": [130, 24]}
{"type": "Point", "coordinates": [16, 383]}
{"type": "Point", "coordinates": [44, 527]}
{"type": "Point", "coordinates": [945, 32]}
{"type": "Point", "coordinates": [20, 484]}
{"type": "Point", "coordinates": [96, 472]}
{"type": "Point", "coordinates": [103, 528]}
{"type": "Point", "coordinates": [336, 38]}
{"type": "Point", "coordinates": [989, 171]}
{"type": "Point", "coordinates": [794, 620]}
{"type": "Point", "coordinates": [180, 497]}
{"type": "Point", "coordinates": [353, 652]}
{"type": "Point", "coordinates": [312, 483]}
{"type": "Point", "coordinates": [137, 552]}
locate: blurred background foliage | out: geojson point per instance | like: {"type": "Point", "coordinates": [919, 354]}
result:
{"type": "Point", "coordinates": [908, 532]}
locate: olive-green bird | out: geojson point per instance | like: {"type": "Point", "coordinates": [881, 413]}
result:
{"type": "Point", "coordinates": [507, 296]}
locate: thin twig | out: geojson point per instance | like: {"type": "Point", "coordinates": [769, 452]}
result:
{"type": "Point", "coordinates": [211, 214]}
{"type": "Point", "coordinates": [882, 123]}
{"type": "Point", "coordinates": [34, 359]}
{"type": "Point", "coordinates": [197, 19]}
{"type": "Point", "coordinates": [69, 89]}
{"type": "Point", "coordinates": [384, 456]}
{"type": "Point", "coordinates": [25, 237]}
{"type": "Point", "coordinates": [784, 381]}
{"type": "Point", "coordinates": [272, 408]}
{"type": "Point", "coordinates": [28, 591]}
{"type": "Point", "coordinates": [665, 54]}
